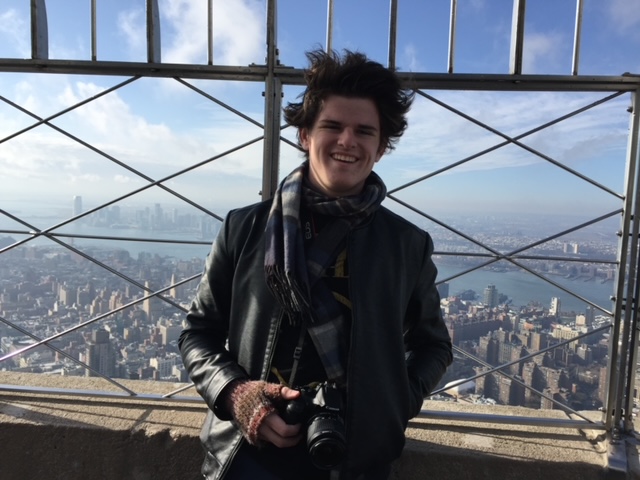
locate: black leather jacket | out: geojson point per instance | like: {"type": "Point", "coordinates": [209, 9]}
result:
{"type": "Point", "coordinates": [399, 350]}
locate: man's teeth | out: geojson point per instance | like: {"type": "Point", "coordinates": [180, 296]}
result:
{"type": "Point", "coordinates": [344, 158]}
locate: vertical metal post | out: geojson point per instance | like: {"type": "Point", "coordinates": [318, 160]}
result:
{"type": "Point", "coordinates": [39, 30]}
{"type": "Point", "coordinates": [272, 107]}
{"type": "Point", "coordinates": [517, 36]}
{"type": "Point", "coordinates": [624, 303]}
{"type": "Point", "coordinates": [329, 43]}
{"type": "Point", "coordinates": [153, 32]}
{"type": "Point", "coordinates": [576, 38]}
{"type": "Point", "coordinates": [210, 32]}
{"type": "Point", "coordinates": [94, 36]}
{"type": "Point", "coordinates": [393, 33]}
{"type": "Point", "coordinates": [634, 285]}
{"type": "Point", "coordinates": [452, 34]}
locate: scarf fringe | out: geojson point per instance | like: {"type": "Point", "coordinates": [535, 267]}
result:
{"type": "Point", "coordinates": [289, 294]}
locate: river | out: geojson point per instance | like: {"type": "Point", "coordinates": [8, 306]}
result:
{"type": "Point", "coordinates": [522, 287]}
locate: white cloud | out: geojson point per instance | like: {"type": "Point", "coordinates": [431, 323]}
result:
{"type": "Point", "coordinates": [625, 14]}
{"type": "Point", "coordinates": [14, 30]}
{"type": "Point", "coordinates": [123, 179]}
{"type": "Point", "coordinates": [238, 31]}
{"type": "Point", "coordinates": [131, 24]}
{"type": "Point", "coordinates": [541, 52]}
{"type": "Point", "coordinates": [410, 59]}
{"type": "Point", "coordinates": [85, 178]}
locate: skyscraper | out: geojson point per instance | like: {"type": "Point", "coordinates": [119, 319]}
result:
{"type": "Point", "coordinates": [491, 296]}
{"type": "Point", "coordinates": [99, 354]}
{"type": "Point", "coordinates": [77, 205]}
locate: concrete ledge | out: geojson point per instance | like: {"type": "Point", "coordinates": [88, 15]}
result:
{"type": "Point", "coordinates": [71, 437]}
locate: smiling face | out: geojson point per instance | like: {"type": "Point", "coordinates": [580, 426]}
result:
{"type": "Point", "coordinates": [343, 145]}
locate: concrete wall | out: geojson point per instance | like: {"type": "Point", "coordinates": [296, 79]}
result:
{"type": "Point", "coordinates": [69, 437]}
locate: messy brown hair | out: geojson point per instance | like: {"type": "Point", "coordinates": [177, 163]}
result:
{"type": "Point", "coordinates": [352, 75]}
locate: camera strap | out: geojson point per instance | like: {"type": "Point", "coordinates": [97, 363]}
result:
{"type": "Point", "coordinates": [297, 352]}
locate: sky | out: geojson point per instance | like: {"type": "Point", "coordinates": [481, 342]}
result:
{"type": "Point", "coordinates": [162, 126]}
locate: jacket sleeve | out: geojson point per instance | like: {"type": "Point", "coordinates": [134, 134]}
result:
{"type": "Point", "coordinates": [427, 340]}
{"type": "Point", "coordinates": [205, 330]}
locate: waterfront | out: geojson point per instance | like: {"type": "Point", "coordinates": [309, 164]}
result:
{"type": "Point", "coordinates": [522, 287]}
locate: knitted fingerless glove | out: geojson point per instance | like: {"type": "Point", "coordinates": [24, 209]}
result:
{"type": "Point", "coordinates": [251, 402]}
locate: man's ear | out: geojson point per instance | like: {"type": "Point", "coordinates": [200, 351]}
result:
{"type": "Point", "coordinates": [303, 135]}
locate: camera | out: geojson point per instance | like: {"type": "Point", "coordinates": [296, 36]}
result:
{"type": "Point", "coordinates": [320, 409]}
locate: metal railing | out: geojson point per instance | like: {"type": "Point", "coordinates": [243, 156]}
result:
{"type": "Point", "coordinates": [623, 336]}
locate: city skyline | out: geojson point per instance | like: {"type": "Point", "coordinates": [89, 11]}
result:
{"type": "Point", "coordinates": [135, 335]}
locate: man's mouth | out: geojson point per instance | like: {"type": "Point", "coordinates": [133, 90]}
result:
{"type": "Point", "coordinates": [344, 158]}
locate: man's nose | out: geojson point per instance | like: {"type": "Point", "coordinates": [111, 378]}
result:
{"type": "Point", "coordinates": [347, 138]}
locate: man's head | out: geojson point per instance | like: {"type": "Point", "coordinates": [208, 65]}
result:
{"type": "Point", "coordinates": [352, 112]}
{"type": "Point", "coordinates": [352, 75]}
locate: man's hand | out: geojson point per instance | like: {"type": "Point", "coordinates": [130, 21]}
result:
{"type": "Point", "coordinates": [254, 405]}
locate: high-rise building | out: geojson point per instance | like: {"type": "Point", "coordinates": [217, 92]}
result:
{"type": "Point", "coordinates": [99, 354]}
{"type": "Point", "coordinates": [571, 247]}
{"type": "Point", "coordinates": [169, 333]}
{"type": "Point", "coordinates": [164, 366]}
{"type": "Point", "coordinates": [177, 291]}
{"type": "Point", "coordinates": [152, 306]}
{"type": "Point", "coordinates": [158, 216]}
{"type": "Point", "coordinates": [554, 309]}
{"type": "Point", "coordinates": [77, 205]}
{"type": "Point", "coordinates": [491, 296]}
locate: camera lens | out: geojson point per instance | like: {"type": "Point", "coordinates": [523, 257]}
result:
{"type": "Point", "coordinates": [326, 441]}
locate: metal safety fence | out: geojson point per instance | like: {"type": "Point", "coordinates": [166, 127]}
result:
{"type": "Point", "coordinates": [26, 337]}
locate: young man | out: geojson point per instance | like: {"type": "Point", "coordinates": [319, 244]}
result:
{"type": "Point", "coordinates": [321, 290]}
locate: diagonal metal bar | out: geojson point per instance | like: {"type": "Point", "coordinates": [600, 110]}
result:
{"type": "Point", "coordinates": [66, 355]}
{"type": "Point", "coordinates": [141, 189]}
{"type": "Point", "coordinates": [497, 256]}
{"type": "Point", "coordinates": [532, 272]}
{"type": "Point", "coordinates": [487, 255]}
{"type": "Point", "coordinates": [42, 121]}
{"type": "Point", "coordinates": [521, 359]}
{"type": "Point", "coordinates": [108, 237]}
{"type": "Point", "coordinates": [509, 376]}
{"type": "Point", "coordinates": [544, 350]}
{"type": "Point", "coordinates": [219, 102]}
{"type": "Point", "coordinates": [515, 141]}
{"type": "Point", "coordinates": [502, 144]}
{"type": "Point", "coordinates": [444, 225]}
{"type": "Point", "coordinates": [95, 319]}
{"type": "Point", "coordinates": [567, 231]}
{"type": "Point", "coordinates": [101, 265]}
{"type": "Point", "coordinates": [496, 252]}
{"type": "Point", "coordinates": [179, 390]}
{"type": "Point", "coordinates": [514, 379]}
{"type": "Point", "coordinates": [114, 160]}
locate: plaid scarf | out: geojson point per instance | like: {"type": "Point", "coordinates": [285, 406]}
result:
{"type": "Point", "coordinates": [295, 278]}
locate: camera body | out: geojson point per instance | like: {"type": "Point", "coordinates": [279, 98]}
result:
{"type": "Point", "coordinates": [320, 409]}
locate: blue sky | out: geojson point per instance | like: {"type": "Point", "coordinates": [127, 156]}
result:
{"type": "Point", "coordinates": [159, 126]}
